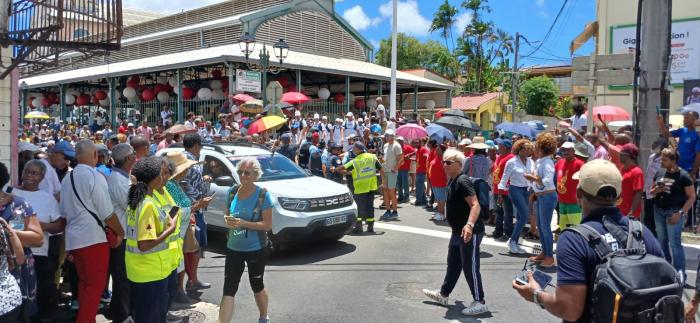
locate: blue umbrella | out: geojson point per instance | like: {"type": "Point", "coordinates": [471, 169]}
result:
{"type": "Point", "coordinates": [518, 128]}
{"type": "Point", "coordinates": [536, 124]}
{"type": "Point", "coordinates": [439, 133]}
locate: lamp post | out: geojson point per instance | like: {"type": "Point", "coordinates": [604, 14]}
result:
{"type": "Point", "coordinates": [280, 50]}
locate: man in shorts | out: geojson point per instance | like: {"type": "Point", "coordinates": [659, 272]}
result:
{"type": "Point", "coordinates": [569, 210]}
{"type": "Point", "coordinates": [393, 157]}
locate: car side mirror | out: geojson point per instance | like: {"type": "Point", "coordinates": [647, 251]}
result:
{"type": "Point", "coordinates": [224, 181]}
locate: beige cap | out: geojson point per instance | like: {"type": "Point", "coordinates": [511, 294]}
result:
{"type": "Point", "coordinates": [597, 174]}
{"type": "Point", "coordinates": [478, 143]}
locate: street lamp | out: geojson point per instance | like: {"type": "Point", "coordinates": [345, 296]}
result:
{"type": "Point", "coordinates": [280, 50]}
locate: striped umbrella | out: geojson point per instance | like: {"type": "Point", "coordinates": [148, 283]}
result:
{"type": "Point", "coordinates": [266, 123]}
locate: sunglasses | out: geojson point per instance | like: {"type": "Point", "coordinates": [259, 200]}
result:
{"type": "Point", "coordinates": [244, 172]}
{"type": "Point", "coordinates": [448, 162]}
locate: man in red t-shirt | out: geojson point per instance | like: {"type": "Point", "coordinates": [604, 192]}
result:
{"type": "Point", "coordinates": [422, 153]}
{"type": "Point", "coordinates": [504, 207]}
{"type": "Point", "coordinates": [630, 202]}
{"type": "Point", "coordinates": [569, 210]}
{"type": "Point", "coordinates": [402, 182]}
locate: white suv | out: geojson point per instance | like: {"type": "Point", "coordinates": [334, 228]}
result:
{"type": "Point", "coordinates": [305, 207]}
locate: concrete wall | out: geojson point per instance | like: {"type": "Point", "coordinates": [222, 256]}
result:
{"type": "Point", "coordinates": [623, 12]}
{"type": "Point", "coordinates": [6, 138]}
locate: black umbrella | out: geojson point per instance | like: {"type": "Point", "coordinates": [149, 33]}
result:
{"type": "Point", "coordinates": [453, 112]}
{"type": "Point", "coordinates": [455, 122]}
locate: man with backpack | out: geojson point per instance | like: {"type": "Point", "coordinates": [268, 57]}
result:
{"type": "Point", "coordinates": [610, 267]}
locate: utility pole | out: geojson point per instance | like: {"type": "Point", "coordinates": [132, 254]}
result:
{"type": "Point", "coordinates": [654, 66]}
{"type": "Point", "coordinates": [392, 93]}
{"type": "Point", "coordinates": [514, 87]}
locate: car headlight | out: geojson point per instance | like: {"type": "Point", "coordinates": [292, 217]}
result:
{"type": "Point", "coordinates": [293, 204]}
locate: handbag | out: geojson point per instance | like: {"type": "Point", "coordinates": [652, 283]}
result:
{"type": "Point", "coordinates": [190, 243]}
{"type": "Point", "coordinates": [110, 235]}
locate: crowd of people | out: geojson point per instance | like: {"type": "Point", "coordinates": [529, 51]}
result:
{"type": "Point", "coordinates": [94, 203]}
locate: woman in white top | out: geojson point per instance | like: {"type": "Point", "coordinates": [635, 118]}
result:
{"type": "Point", "coordinates": [517, 185]}
{"type": "Point", "coordinates": [545, 190]}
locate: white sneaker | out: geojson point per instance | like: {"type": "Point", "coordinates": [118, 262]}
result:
{"type": "Point", "coordinates": [438, 216]}
{"type": "Point", "coordinates": [475, 308]}
{"type": "Point", "coordinates": [514, 248]}
{"type": "Point", "coordinates": [436, 296]}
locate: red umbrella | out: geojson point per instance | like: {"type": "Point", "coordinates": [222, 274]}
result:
{"type": "Point", "coordinates": [611, 113]}
{"type": "Point", "coordinates": [294, 97]}
{"type": "Point", "coordinates": [243, 97]}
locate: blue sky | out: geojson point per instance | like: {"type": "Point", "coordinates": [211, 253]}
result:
{"type": "Point", "coordinates": [531, 18]}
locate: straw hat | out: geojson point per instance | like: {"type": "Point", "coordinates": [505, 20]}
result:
{"type": "Point", "coordinates": [180, 161]}
{"type": "Point", "coordinates": [478, 143]}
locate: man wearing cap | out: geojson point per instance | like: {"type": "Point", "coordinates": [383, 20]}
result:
{"type": "Point", "coordinates": [569, 209]}
{"type": "Point", "coordinates": [364, 169]}
{"type": "Point", "coordinates": [504, 206]}
{"type": "Point", "coordinates": [107, 131]}
{"type": "Point", "coordinates": [694, 96]}
{"type": "Point", "coordinates": [630, 202]}
{"type": "Point", "coordinates": [103, 166]}
{"type": "Point", "coordinates": [287, 149]}
{"type": "Point", "coordinates": [298, 121]}
{"type": "Point", "coordinates": [393, 157]}
{"type": "Point", "coordinates": [303, 154]}
{"type": "Point", "coordinates": [57, 166]}
{"type": "Point", "coordinates": [349, 126]}
{"type": "Point", "coordinates": [336, 131]}
{"type": "Point", "coordinates": [688, 142]}
{"type": "Point", "coordinates": [380, 110]}
{"type": "Point", "coordinates": [334, 161]}
{"type": "Point", "coordinates": [598, 190]}
{"type": "Point", "coordinates": [167, 116]}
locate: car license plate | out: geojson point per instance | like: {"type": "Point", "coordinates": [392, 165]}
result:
{"type": "Point", "coordinates": [336, 219]}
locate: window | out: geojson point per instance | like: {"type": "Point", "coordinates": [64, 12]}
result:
{"type": "Point", "coordinates": [215, 168]}
{"type": "Point", "coordinates": [80, 33]}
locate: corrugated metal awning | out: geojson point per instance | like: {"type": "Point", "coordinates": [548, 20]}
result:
{"type": "Point", "coordinates": [229, 53]}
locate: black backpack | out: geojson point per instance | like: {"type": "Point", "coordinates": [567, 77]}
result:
{"type": "Point", "coordinates": [304, 154]}
{"type": "Point", "coordinates": [628, 284]}
{"type": "Point", "coordinates": [482, 189]}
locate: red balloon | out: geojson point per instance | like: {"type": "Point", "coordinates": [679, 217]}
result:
{"type": "Point", "coordinates": [46, 102]}
{"type": "Point", "coordinates": [160, 88]}
{"type": "Point", "coordinates": [94, 100]}
{"type": "Point", "coordinates": [100, 95]}
{"type": "Point", "coordinates": [82, 99]}
{"type": "Point", "coordinates": [339, 98]}
{"type": "Point", "coordinates": [168, 88]}
{"type": "Point", "coordinates": [51, 96]}
{"type": "Point", "coordinates": [134, 78]}
{"type": "Point", "coordinates": [216, 73]}
{"type": "Point", "coordinates": [187, 93]}
{"type": "Point", "coordinates": [132, 83]}
{"type": "Point", "coordinates": [224, 84]}
{"type": "Point", "coordinates": [148, 94]}
{"type": "Point", "coordinates": [359, 103]}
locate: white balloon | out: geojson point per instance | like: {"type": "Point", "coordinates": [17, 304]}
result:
{"type": "Point", "coordinates": [163, 96]}
{"type": "Point", "coordinates": [162, 79]}
{"type": "Point", "coordinates": [104, 103]}
{"type": "Point", "coordinates": [73, 92]}
{"type": "Point", "coordinates": [133, 99]}
{"type": "Point", "coordinates": [129, 93]}
{"type": "Point", "coordinates": [37, 102]}
{"type": "Point", "coordinates": [204, 94]}
{"type": "Point", "coordinates": [215, 84]}
{"type": "Point", "coordinates": [173, 82]}
{"type": "Point", "coordinates": [69, 99]}
{"type": "Point", "coordinates": [430, 104]}
{"type": "Point", "coordinates": [217, 94]}
{"type": "Point", "coordinates": [117, 94]}
{"type": "Point", "coordinates": [324, 93]}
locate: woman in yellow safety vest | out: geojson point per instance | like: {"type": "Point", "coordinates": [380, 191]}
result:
{"type": "Point", "coordinates": [149, 264]}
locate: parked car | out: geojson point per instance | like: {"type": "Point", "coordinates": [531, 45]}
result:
{"type": "Point", "coordinates": [305, 207]}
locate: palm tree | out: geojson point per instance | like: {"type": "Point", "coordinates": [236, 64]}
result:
{"type": "Point", "coordinates": [443, 20]}
{"type": "Point", "coordinates": [475, 6]}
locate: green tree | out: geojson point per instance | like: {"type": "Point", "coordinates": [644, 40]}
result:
{"type": "Point", "coordinates": [538, 94]}
{"type": "Point", "coordinates": [411, 53]}
{"type": "Point", "coordinates": [443, 20]}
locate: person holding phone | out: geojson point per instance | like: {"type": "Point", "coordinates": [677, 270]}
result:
{"type": "Point", "coordinates": [149, 261]}
{"type": "Point", "coordinates": [249, 221]}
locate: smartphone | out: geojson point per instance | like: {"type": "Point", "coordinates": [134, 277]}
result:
{"type": "Point", "coordinates": [8, 190]}
{"type": "Point", "coordinates": [173, 211]}
{"type": "Point", "coordinates": [540, 277]}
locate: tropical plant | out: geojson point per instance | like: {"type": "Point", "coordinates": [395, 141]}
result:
{"type": "Point", "coordinates": [537, 94]}
{"type": "Point", "coordinates": [443, 21]}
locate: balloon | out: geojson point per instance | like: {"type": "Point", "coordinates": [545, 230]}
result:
{"type": "Point", "coordinates": [187, 93]}
{"type": "Point", "coordinates": [83, 99]}
{"type": "Point", "coordinates": [117, 95]}
{"type": "Point", "coordinates": [69, 99]}
{"type": "Point", "coordinates": [162, 80]}
{"type": "Point", "coordinates": [94, 100]}
{"type": "Point", "coordinates": [359, 103]}
{"type": "Point", "coordinates": [172, 82]}
{"type": "Point", "coordinates": [132, 83]}
{"type": "Point", "coordinates": [216, 73]}
{"type": "Point", "coordinates": [217, 94]}
{"type": "Point", "coordinates": [324, 93]}
{"type": "Point", "coordinates": [148, 95]}
{"type": "Point", "coordinates": [133, 99]}
{"type": "Point", "coordinates": [36, 102]}
{"type": "Point", "coordinates": [100, 95]}
{"type": "Point", "coordinates": [163, 96]}
{"type": "Point", "coordinates": [283, 81]}
{"type": "Point", "coordinates": [51, 96]}
{"type": "Point", "coordinates": [204, 94]}
{"type": "Point", "coordinates": [430, 104]}
{"type": "Point", "coordinates": [224, 84]}
{"type": "Point", "coordinates": [73, 92]}
{"type": "Point", "coordinates": [215, 84]}
{"type": "Point", "coordinates": [339, 98]}
{"type": "Point", "coordinates": [372, 103]}
{"type": "Point", "coordinates": [160, 88]}
{"type": "Point", "coordinates": [135, 78]}
{"type": "Point", "coordinates": [129, 92]}
{"type": "Point", "coordinates": [104, 103]}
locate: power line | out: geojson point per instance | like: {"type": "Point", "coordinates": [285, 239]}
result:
{"type": "Point", "coordinates": [549, 31]}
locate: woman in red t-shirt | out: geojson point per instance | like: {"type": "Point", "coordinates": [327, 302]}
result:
{"type": "Point", "coordinates": [438, 181]}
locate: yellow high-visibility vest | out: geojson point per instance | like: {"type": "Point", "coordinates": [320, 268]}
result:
{"type": "Point", "coordinates": [175, 242]}
{"type": "Point", "coordinates": [364, 173]}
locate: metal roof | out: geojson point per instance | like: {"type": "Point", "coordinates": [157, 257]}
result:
{"type": "Point", "coordinates": [229, 53]}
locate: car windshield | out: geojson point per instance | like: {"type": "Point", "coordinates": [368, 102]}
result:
{"type": "Point", "coordinates": [274, 167]}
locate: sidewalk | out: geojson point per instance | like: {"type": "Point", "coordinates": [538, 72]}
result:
{"type": "Point", "coordinates": [200, 312]}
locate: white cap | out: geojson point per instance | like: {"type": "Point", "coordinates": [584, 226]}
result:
{"type": "Point", "coordinates": [465, 142]}
{"type": "Point", "coordinates": [324, 118]}
{"type": "Point", "coordinates": [696, 90]}
{"type": "Point", "coordinates": [338, 120]}
{"type": "Point", "coordinates": [297, 113]}
{"type": "Point", "coordinates": [349, 114]}
{"type": "Point", "coordinates": [389, 132]}
{"type": "Point", "coordinates": [568, 145]}
{"type": "Point", "coordinates": [130, 124]}
{"type": "Point", "coordinates": [316, 116]}
{"type": "Point", "coordinates": [360, 120]}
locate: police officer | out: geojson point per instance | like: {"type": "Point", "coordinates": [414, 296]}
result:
{"type": "Point", "coordinates": [364, 169]}
{"type": "Point", "coordinates": [287, 149]}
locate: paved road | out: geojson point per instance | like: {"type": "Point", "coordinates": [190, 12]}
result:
{"type": "Point", "coordinates": [377, 278]}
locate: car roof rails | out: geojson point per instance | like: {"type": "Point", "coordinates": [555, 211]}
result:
{"type": "Point", "coordinates": [213, 147]}
{"type": "Point", "coordinates": [243, 143]}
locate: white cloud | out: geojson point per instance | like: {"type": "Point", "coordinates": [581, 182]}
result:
{"type": "Point", "coordinates": [410, 20]}
{"type": "Point", "coordinates": [539, 3]}
{"type": "Point", "coordinates": [375, 43]}
{"type": "Point", "coordinates": [461, 21]}
{"type": "Point", "coordinates": [167, 6]}
{"type": "Point", "coordinates": [357, 17]}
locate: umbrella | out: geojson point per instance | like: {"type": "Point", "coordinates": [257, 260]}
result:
{"type": "Point", "coordinates": [411, 131]}
{"type": "Point", "coordinates": [274, 109]}
{"type": "Point", "coordinates": [449, 112]}
{"type": "Point", "coordinates": [252, 106]}
{"type": "Point", "coordinates": [439, 133]}
{"type": "Point", "coordinates": [243, 97]}
{"type": "Point", "coordinates": [691, 107]}
{"type": "Point", "coordinates": [266, 123]}
{"type": "Point", "coordinates": [518, 128]}
{"type": "Point", "coordinates": [457, 123]}
{"type": "Point", "coordinates": [536, 124]}
{"type": "Point", "coordinates": [611, 113]}
{"type": "Point", "coordinates": [619, 124]}
{"type": "Point", "coordinates": [37, 115]}
{"type": "Point", "coordinates": [180, 129]}
{"type": "Point", "coordinates": [25, 146]}
{"type": "Point", "coordinates": [294, 97]}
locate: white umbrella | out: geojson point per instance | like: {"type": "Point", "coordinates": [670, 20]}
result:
{"type": "Point", "coordinates": [691, 107]}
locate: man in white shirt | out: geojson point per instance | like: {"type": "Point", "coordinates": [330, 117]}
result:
{"type": "Point", "coordinates": [85, 238]}
{"type": "Point", "coordinates": [167, 116]}
{"type": "Point", "coordinates": [381, 111]}
{"type": "Point", "coordinates": [60, 153]}
{"type": "Point", "coordinates": [118, 183]}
